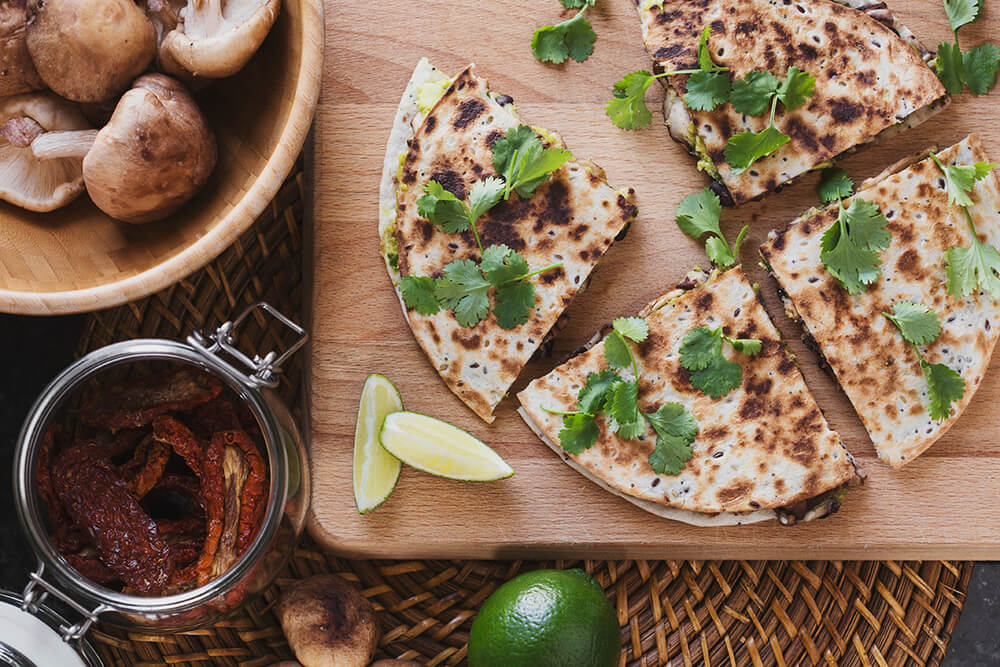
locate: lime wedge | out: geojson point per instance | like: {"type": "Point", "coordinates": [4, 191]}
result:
{"type": "Point", "coordinates": [376, 471]}
{"type": "Point", "coordinates": [439, 448]}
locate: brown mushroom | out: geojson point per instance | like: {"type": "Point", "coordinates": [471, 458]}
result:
{"type": "Point", "coordinates": [328, 622]}
{"type": "Point", "coordinates": [26, 181]}
{"type": "Point", "coordinates": [154, 154]}
{"type": "Point", "coordinates": [17, 72]}
{"type": "Point", "coordinates": [89, 50]}
{"type": "Point", "coordinates": [216, 38]}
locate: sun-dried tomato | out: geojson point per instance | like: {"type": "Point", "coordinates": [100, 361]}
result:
{"type": "Point", "coordinates": [125, 441]}
{"type": "Point", "coordinates": [254, 494]}
{"type": "Point", "coordinates": [186, 527]}
{"type": "Point", "coordinates": [212, 495]}
{"type": "Point", "coordinates": [185, 549]}
{"type": "Point", "coordinates": [210, 418]}
{"type": "Point", "coordinates": [91, 567]}
{"type": "Point", "coordinates": [43, 476]}
{"type": "Point", "coordinates": [137, 403]}
{"type": "Point", "coordinates": [168, 430]}
{"type": "Point", "coordinates": [100, 502]}
{"type": "Point", "coordinates": [146, 466]}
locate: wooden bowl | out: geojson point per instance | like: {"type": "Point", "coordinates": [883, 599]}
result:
{"type": "Point", "coordinates": [78, 259]}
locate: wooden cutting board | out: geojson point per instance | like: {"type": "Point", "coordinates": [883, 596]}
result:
{"type": "Point", "coordinates": [944, 505]}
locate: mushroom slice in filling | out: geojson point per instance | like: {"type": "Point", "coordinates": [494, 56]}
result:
{"type": "Point", "coordinates": [25, 180]}
{"type": "Point", "coordinates": [216, 38]}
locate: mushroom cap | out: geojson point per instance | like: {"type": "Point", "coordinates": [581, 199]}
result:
{"type": "Point", "coordinates": [26, 181]}
{"type": "Point", "coordinates": [89, 50]}
{"type": "Point", "coordinates": [216, 38]}
{"type": "Point", "coordinates": [17, 72]}
{"type": "Point", "coordinates": [154, 154]}
{"type": "Point", "coordinates": [328, 622]}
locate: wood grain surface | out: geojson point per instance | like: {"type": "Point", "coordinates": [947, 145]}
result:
{"type": "Point", "coordinates": [943, 505]}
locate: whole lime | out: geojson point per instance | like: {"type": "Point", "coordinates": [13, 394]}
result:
{"type": "Point", "coordinates": [546, 618]}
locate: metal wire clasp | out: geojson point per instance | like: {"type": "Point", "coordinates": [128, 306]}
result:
{"type": "Point", "coordinates": [263, 371]}
{"type": "Point", "coordinates": [38, 589]}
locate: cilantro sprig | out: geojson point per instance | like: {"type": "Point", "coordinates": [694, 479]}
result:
{"type": "Point", "coordinates": [711, 373]}
{"type": "Point", "coordinates": [919, 325]}
{"type": "Point", "coordinates": [851, 245]}
{"type": "Point", "coordinates": [978, 266]}
{"type": "Point", "coordinates": [752, 95]}
{"type": "Point", "coordinates": [523, 163]}
{"type": "Point", "coordinates": [708, 86]}
{"type": "Point", "coordinates": [834, 184]}
{"type": "Point", "coordinates": [976, 68]}
{"type": "Point", "coordinates": [573, 38]}
{"type": "Point", "coordinates": [609, 394]}
{"type": "Point", "coordinates": [697, 215]}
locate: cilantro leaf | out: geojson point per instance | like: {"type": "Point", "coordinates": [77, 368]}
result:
{"type": "Point", "coordinates": [918, 324]}
{"type": "Point", "coordinates": [616, 351]}
{"type": "Point", "coordinates": [961, 179]}
{"type": "Point", "coordinates": [944, 387]}
{"type": "Point", "coordinates": [851, 245]}
{"type": "Point", "coordinates": [951, 67]}
{"type": "Point", "coordinates": [752, 93]}
{"type": "Point", "coordinates": [524, 162]}
{"type": "Point", "coordinates": [484, 195]}
{"type": "Point", "coordinates": [700, 347]}
{"type": "Point", "coordinates": [593, 394]}
{"type": "Point", "coordinates": [443, 209]}
{"type": "Point", "coordinates": [698, 214]}
{"type": "Point", "coordinates": [745, 148]}
{"type": "Point", "coordinates": [980, 65]}
{"type": "Point", "coordinates": [634, 328]}
{"type": "Point", "coordinates": [719, 252]}
{"type": "Point", "coordinates": [834, 184]}
{"type": "Point", "coordinates": [465, 291]}
{"type": "Point", "coordinates": [711, 372]}
{"type": "Point", "coordinates": [514, 303]}
{"type": "Point", "coordinates": [706, 90]}
{"type": "Point", "coordinates": [573, 38]}
{"type": "Point", "coordinates": [971, 268]}
{"type": "Point", "coordinates": [797, 87]}
{"type": "Point", "coordinates": [502, 265]}
{"type": "Point", "coordinates": [748, 346]}
{"type": "Point", "coordinates": [579, 432]}
{"type": "Point", "coordinates": [577, 4]}
{"type": "Point", "coordinates": [705, 61]}
{"type": "Point", "coordinates": [719, 378]}
{"type": "Point", "coordinates": [418, 293]}
{"type": "Point", "coordinates": [961, 12]}
{"type": "Point", "coordinates": [627, 108]}
{"type": "Point", "coordinates": [621, 407]}
{"type": "Point", "coordinates": [676, 429]}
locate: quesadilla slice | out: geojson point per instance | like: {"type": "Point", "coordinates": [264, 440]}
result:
{"type": "Point", "coordinates": [549, 221]}
{"type": "Point", "coordinates": [870, 73]}
{"type": "Point", "coordinates": [894, 384]}
{"type": "Point", "coordinates": [761, 450]}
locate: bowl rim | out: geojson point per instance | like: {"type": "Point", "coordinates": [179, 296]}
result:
{"type": "Point", "coordinates": [225, 231]}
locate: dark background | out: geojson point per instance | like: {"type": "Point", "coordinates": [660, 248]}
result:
{"type": "Point", "coordinates": [36, 349]}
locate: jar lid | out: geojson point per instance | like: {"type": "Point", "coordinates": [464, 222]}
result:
{"type": "Point", "coordinates": [28, 638]}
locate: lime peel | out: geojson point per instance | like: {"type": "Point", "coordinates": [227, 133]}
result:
{"type": "Point", "coordinates": [376, 471]}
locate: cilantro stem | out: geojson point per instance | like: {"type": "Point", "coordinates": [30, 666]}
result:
{"type": "Point", "coordinates": [534, 273]}
{"type": "Point", "coordinates": [774, 108]}
{"type": "Point", "coordinates": [566, 413]}
{"type": "Point", "coordinates": [507, 184]}
{"type": "Point", "coordinates": [475, 232]}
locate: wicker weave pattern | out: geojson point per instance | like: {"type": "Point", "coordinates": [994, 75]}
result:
{"type": "Point", "coordinates": [683, 613]}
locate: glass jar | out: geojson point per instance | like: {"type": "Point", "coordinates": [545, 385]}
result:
{"type": "Point", "coordinates": [251, 381]}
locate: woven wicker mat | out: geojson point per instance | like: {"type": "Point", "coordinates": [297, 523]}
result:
{"type": "Point", "coordinates": [690, 613]}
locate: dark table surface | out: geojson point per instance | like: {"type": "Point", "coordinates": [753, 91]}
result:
{"type": "Point", "coordinates": [35, 350]}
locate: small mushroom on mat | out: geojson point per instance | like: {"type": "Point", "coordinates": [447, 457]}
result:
{"type": "Point", "coordinates": [328, 623]}
{"type": "Point", "coordinates": [89, 50]}
{"type": "Point", "coordinates": [215, 38]}
{"type": "Point", "coordinates": [17, 72]}
{"type": "Point", "coordinates": [26, 181]}
{"type": "Point", "coordinates": [154, 154]}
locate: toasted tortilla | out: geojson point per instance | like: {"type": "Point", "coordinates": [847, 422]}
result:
{"type": "Point", "coordinates": [763, 448]}
{"type": "Point", "coordinates": [573, 218]}
{"type": "Point", "coordinates": [870, 73]}
{"type": "Point", "coordinates": [875, 367]}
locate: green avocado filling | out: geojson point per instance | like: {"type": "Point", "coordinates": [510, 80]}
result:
{"type": "Point", "coordinates": [388, 247]}
{"type": "Point", "coordinates": [705, 162]}
{"type": "Point", "coordinates": [429, 93]}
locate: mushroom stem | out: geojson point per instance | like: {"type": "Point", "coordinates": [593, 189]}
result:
{"type": "Point", "coordinates": [53, 145]}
